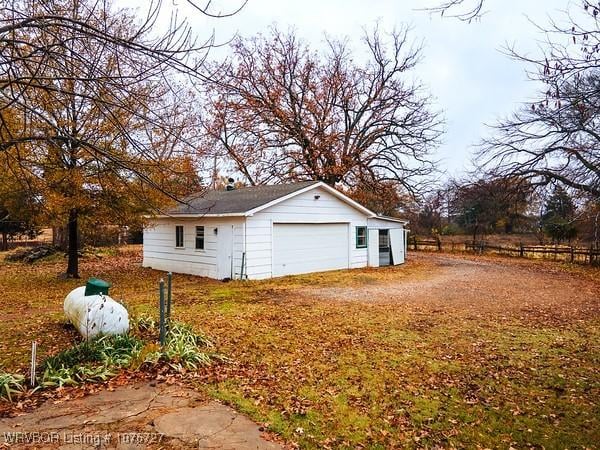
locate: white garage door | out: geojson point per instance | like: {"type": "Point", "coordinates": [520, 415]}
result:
{"type": "Point", "coordinates": [309, 247]}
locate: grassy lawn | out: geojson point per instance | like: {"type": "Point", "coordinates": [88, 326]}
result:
{"type": "Point", "coordinates": [326, 372]}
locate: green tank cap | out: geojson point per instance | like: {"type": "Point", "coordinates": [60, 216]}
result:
{"type": "Point", "coordinates": [95, 286]}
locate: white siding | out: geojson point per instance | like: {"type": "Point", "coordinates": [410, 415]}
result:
{"type": "Point", "coordinates": [254, 236]}
{"type": "Point", "coordinates": [373, 250]}
{"type": "Point", "coordinates": [239, 246]}
{"type": "Point", "coordinates": [303, 208]}
{"type": "Point", "coordinates": [160, 252]}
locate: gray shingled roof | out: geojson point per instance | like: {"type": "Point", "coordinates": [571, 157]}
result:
{"type": "Point", "coordinates": [237, 201]}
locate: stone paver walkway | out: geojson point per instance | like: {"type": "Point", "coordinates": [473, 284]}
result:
{"type": "Point", "coordinates": [147, 415]}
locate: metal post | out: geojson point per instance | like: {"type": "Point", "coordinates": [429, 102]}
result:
{"type": "Point", "coordinates": [33, 367]}
{"type": "Point", "coordinates": [169, 296]}
{"type": "Point", "coordinates": [243, 264]}
{"type": "Point", "coordinates": [162, 311]}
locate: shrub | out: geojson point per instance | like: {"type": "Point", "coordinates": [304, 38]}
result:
{"type": "Point", "coordinates": [451, 229]}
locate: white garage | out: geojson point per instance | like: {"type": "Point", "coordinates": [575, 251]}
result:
{"type": "Point", "coordinates": [269, 231]}
{"type": "Point", "coordinates": [310, 247]}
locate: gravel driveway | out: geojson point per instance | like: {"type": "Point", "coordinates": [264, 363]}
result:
{"type": "Point", "coordinates": [483, 285]}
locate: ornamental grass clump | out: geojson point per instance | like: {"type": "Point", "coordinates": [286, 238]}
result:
{"type": "Point", "coordinates": [99, 359]}
{"type": "Point", "coordinates": [10, 384]}
{"type": "Point", "coordinates": [95, 360]}
{"type": "Point", "coordinates": [186, 349]}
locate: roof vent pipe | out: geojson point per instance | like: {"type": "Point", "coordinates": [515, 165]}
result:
{"type": "Point", "coordinates": [230, 186]}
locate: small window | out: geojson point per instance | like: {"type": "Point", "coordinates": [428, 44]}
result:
{"type": "Point", "coordinates": [200, 238]}
{"type": "Point", "coordinates": [384, 239]}
{"type": "Point", "coordinates": [179, 236]}
{"type": "Point", "coordinates": [361, 237]}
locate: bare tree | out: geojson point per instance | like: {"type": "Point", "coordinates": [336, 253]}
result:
{"type": "Point", "coordinates": [279, 111]}
{"type": "Point", "coordinates": [174, 46]}
{"type": "Point", "coordinates": [465, 10]}
{"type": "Point", "coordinates": [556, 139]}
{"type": "Point", "coordinates": [102, 111]}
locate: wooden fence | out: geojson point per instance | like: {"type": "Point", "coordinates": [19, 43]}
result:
{"type": "Point", "coordinates": [582, 255]}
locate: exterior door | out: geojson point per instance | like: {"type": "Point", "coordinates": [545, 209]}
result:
{"type": "Point", "coordinates": [224, 252]}
{"type": "Point", "coordinates": [384, 248]}
{"type": "Point", "coordinates": [397, 245]}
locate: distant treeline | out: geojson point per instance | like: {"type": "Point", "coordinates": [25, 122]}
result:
{"type": "Point", "coordinates": [509, 205]}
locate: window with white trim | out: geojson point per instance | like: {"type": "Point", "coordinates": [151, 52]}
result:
{"type": "Point", "coordinates": [361, 237]}
{"type": "Point", "coordinates": [200, 237]}
{"type": "Point", "coordinates": [179, 236]}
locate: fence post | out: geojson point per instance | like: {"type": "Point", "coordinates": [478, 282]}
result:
{"type": "Point", "coordinates": [572, 254]}
{"type": "Point", "coordinates": [521, 250]}
{"type": "Point", "coordinates": [169, 284]}
{"type": "Point", "coordinates": [162, 311]}
{"type": "Point", "coordinates": [439, 243]}
{"type": "Point", "coordinates": [415, 242]}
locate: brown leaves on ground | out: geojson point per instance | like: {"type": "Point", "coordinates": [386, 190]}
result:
{"type": "Point", "coordinates": [446, 351]}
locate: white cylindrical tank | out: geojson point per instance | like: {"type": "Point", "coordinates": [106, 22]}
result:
{"type": "Point", "coordinates": [95, 314]}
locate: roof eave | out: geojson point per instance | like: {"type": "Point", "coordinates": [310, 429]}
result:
{"type": "Point", "coordinates": [390, 219]}
{"type": "Point", "coordinates": [193, 216]}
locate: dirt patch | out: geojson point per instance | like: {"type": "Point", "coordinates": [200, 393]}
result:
{"type": "Point", "coordinates": [482, 286]}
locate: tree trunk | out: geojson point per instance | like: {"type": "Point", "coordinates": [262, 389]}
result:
{"type": "Point", "coordinates": [73, 248]}
{"type": "Point", "coordinates": [4, 246]}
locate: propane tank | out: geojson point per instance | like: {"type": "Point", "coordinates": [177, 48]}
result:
{"type": "Point", "coordinates": [93, 312]}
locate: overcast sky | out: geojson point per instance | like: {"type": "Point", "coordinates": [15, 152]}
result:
{"type": "Point", "coordinates": [472, 82]}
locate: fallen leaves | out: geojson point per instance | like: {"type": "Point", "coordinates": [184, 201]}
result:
{"type": "Point", "coordinates": [426, 355]}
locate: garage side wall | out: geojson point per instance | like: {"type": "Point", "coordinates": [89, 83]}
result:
{"type": "Point", "coordinates": [160, 253]}
{"type": "Point", "coordinates": [303, 208]}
